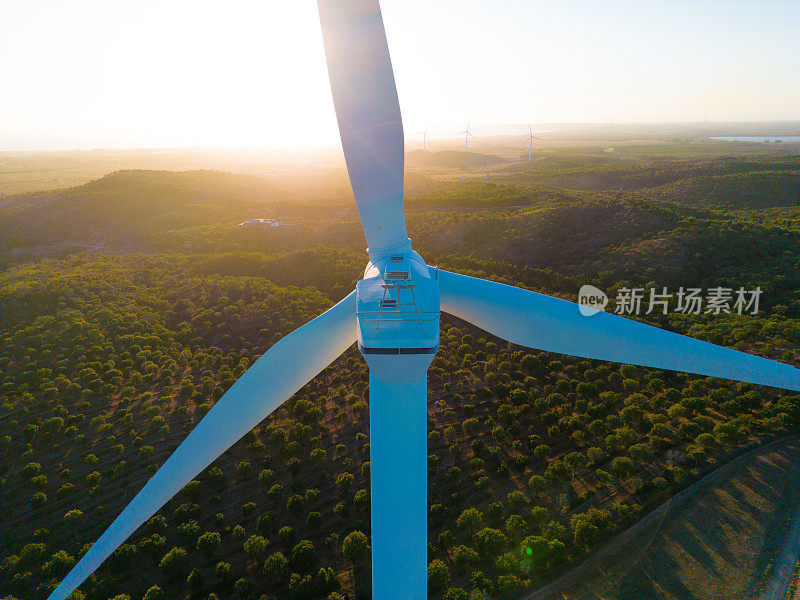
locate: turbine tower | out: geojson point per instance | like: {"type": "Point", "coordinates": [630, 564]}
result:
{"type": "Point", "coordinates": [529, 141]}
{"type": "Point", "coordinates": [393, 315]}
{"type": "Point", "coordinates": [467, 134]}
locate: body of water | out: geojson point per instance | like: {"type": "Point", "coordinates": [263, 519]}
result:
{"type": "Point", "coordinates": [760, 138]}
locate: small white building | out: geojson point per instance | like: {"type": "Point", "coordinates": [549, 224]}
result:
{"type": "Point", "coordinates": [261, 223]}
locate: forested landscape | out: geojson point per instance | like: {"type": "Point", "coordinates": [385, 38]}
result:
{"type": "Point", "coordinates": [129, 305]}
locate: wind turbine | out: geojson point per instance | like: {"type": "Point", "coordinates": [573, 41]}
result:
{"type": "Point", "coordinates": [467, 134]}
{"type": "Point", "coordinates": [393, 315]}
{"type": "Point", "coordinates": [529, 141]}
{"type": "Point", "coordinates": [424, 140]}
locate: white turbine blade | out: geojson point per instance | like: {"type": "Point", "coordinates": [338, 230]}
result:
{"type": "Point", "coordinates": [399, 488]}
{"type": "Point", "coordinates": [546, 323]}
{"type": "Point", "coordinates": [280, 372]}
{"type": "Point", "coordinates": [365, 98]}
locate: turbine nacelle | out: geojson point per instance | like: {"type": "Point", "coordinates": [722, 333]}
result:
{"type": "Point", "coordinates": [398, 308]}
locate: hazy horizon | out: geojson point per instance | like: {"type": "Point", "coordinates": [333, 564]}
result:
{"type": "Point", "coordinates": [487, 134]}
{"type": "Point", "coordinates": [179, 74]}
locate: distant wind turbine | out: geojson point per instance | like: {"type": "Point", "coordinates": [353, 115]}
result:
{"type": "Point", "coordinates": [424, 140]}
{"type": "Point", "coordinates": [467, 134]}
{"type": "Point", "coordinates": [529, 141]}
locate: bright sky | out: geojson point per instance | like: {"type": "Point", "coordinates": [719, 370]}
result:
{"type": "Point", "coordinates": [147, 73]}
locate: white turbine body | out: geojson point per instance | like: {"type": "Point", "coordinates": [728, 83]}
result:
{"type": "Point", "coordinates": [394, 316]}
{"type": "Point", "coordinates": [397, 300]}
{"type": "Point", "coordinates": [424, 140]}
{"type": "Point", "coordinates": [398, 335]}
{"type": "Point", "coordinates": [467, 134]}
{"type": "Point", "coordinates": [371, 129]}
{"type": "Point", "coordinates": [529, 141]}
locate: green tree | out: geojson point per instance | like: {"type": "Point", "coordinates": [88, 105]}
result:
{"type": "Point", "coordinates": [153, 593]}
{"type": "Point", "coordinates": [255, 547]}
{"type": "Point", "coordinates": [465, 557]}
{"type": "Point", "coordinates": [344, 480]}
{"type": "Point", "coordinates": [287, 535]}
{"type": "Point", "coordinates": [193, 490]}
{"type": "Point", "coordinates": [72, 518]}
{"type": "Point", "coordinates": [535, 552]}
{"type": "Point", "coordinates": [314, 519]}
{"type": "Point", "coordinates": [300, 586]}
{"type": "Point", "coordinates": [122, 558]}
{"type": "Point", "coordinates": [355, 547]}
{"type": "Point", "coordinates": [243, 587]}
{"type": "Point", "coordinates": [304, 556]}
{"type": "Point", "coordinates": [585, 533]}
{"type": "Point", "coordinates": [438, 575]}
{"type": "Point", "coordinates": [516, 527]}
{"type": "Point", "coordinates": [470, 519]}
{"type": "Point", "coordinates": [209, 543]}
{"type": "Point", "coordinates": [489, 542]}
{"type": "Point", "coordinates": [275, 566]}
{"type": "Point", "coordinates": [173, 564]}
{"type": "Point", "coordinates": [537, 483]}
{"type": "Point", "coordinates": [222, 571]}
{"type": "Point", "coordinates": [361, 500]}
{"type": "Point", "coordinates": [455, 594]}
{"type": "Point", "coordinates": [295, 504]}
{"type": "Point", "coordinates": [621, 466]}
{"type": "Point", "coordinates": [59, 565]}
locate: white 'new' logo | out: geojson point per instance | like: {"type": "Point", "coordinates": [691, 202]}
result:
{"type": "Point", "coordinates": [591, 300]}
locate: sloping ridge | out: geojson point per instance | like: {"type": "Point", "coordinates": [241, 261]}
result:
{"type": "Point", "coordinates": [716, 540]}
{"type": "Point", "coordinates": [133, 204]}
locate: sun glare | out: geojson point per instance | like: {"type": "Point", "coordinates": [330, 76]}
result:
{"type": "Point", "coordinates": [118, 73]}
{"type": "Point", "coordinates": [175, 73]}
